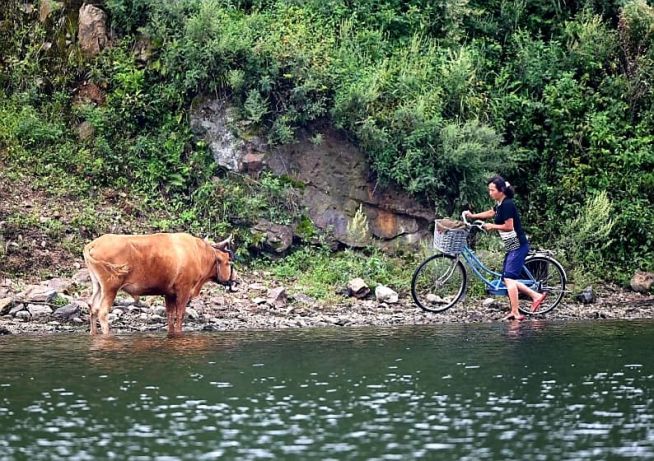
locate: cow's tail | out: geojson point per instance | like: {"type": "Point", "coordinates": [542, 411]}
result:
{"type": "Point", "coordinates": [114, 269]}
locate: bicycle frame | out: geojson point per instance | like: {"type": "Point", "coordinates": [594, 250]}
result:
{"type": "Point", "coordinates": [496, 285]}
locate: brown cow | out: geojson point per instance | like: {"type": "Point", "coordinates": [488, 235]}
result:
{"type": "Point", "coordinates": [173, 265]}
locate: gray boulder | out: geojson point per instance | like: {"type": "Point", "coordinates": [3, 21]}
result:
{"type": "Point", "coordinates": [23, 315]}
{"type": "Point", "coordinates": [39, 310]}
{"type": "Point", "coordinates": [67, 312]}
{"type": "Point", "coordinates": [38, 294]}
{"type": "Point", "coordinates": [59, 285]}
{"type": "Point", "coordinates": [386, 295]}
{"type": "Point", "coordinates": [491, 303]}
{"type": "Point", "coordinates": [277, 297]}
{"type": "Point", "coordinates": [5, 305]}
{"type": "Point", "coordinates": [358, 288]}
{"type": "Point", "coordinates": [304, 299]}
{"type": "Point", "coordinates": [587, 296]}
{"type": "Point", "coordinates": [16, 309]}
{"type": "Point", "coordinates": [278, 238]}
{"type": "Point", "coordinates": [82, 276]}
{"type": "Point", "coordinates": [115, 315]}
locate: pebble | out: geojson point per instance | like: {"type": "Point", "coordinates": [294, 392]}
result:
{"type": "Point", "coordinates": [23, 315]}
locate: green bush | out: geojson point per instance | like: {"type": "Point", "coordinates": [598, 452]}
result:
{"type": "Point", "coordinates": [585, 236]}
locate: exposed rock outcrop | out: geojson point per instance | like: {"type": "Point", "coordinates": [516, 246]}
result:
{"type": "Point", "coordinates": [336, 175]}
{"type": "Point", "coordinates": [92, 34]}
{"type": "Point", "coordinates": [338, 180]}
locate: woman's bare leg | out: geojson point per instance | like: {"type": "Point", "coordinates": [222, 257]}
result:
{"type": "Point", "coordinates": [522, 288]}
{"type": "Point", "coordinates": [512, 288]}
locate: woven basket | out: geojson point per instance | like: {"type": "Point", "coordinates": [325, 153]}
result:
{"type": "Point", "coordinates": [450, 236]}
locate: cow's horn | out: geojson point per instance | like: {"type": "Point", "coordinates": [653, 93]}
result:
{"type": "Point", "coordinates": [222, 245]}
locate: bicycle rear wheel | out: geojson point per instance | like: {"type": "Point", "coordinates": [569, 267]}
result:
{"type": "Point", "coordinates": [438, 283]}
{"type": "Point", "coordinates": [550, 278]}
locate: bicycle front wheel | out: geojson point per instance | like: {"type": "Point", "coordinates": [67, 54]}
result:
{"type": "Point", "coordinates": [438, 283]}
{"type": "Point", "coordinates": [550, 278]}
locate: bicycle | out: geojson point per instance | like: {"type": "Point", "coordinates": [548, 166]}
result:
{"type": "Point", "coordinates": [441, 280]}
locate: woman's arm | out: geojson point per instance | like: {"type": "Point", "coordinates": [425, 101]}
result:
{"type": "Point", "coordinates": [483, 215]}
{"type": "Point", "coordinates": [506, 227]}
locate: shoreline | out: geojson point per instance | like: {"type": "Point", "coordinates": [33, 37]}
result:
{"type": "Point", "coordinates": [248, 308]}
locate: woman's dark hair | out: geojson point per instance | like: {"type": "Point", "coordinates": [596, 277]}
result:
{"type": "Point", "coordinates": [502, 186]}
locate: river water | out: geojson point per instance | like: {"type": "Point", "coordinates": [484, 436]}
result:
{"type": "Point", "coordinates": [533, 390]}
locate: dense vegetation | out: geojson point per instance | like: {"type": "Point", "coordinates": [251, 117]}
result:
{"type": "Point", "coordinates": [555, 96]}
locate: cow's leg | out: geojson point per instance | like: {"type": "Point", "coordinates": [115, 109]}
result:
{"type": "Point", "coordinates": [171, 310]}
{"type": "Point", "coordinates": [94, 302]}
{"type": "Point", "coordinates": [180, 311]}
{"type": "Point", "coordinates": [108, 296]}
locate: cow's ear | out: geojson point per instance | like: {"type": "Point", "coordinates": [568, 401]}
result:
{"type": "Point", "coordinates": [222, 245]}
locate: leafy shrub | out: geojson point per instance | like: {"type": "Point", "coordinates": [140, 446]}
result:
{"type": "Point", "coordinates": [584, 237]}
{"type": "Point", "coordinates": [33, 130]}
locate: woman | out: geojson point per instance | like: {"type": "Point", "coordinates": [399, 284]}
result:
{"type": "Point", "coordinates": [507, 223]}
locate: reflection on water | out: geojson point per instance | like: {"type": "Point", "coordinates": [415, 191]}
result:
{"type": "Point", "coordinates": [537, 390]}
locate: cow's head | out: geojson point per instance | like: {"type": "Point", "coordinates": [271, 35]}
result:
{"type": "Point", "coordinates": [225, 273]}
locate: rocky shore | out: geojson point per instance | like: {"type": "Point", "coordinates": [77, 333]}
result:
{"type": "Point", "coordinates": [59, 306]}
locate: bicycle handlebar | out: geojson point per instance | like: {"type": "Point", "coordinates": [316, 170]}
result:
{"type": "Point", "coordinates": [478, 223]}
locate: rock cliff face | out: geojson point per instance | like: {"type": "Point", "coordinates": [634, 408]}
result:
{"type": "Point", "coordinates": [338, 181]}
{"type": "Point", "coordinates": [336, 174]}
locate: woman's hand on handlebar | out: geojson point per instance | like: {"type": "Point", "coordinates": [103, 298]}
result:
{"type": "Point", "coordinates": [478, 223]}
